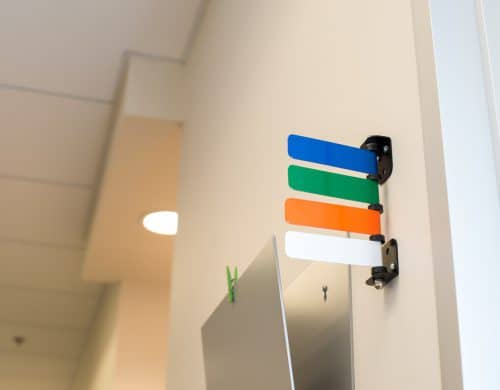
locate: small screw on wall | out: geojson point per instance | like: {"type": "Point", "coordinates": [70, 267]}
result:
{"type": "Point", "coordinates": [325, 291]}
{"type": "Point", "coordinates": [19, 340]}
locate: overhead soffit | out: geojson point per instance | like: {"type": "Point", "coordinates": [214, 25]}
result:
{"type": "Point", "coordinates": [61, 63]}
{"type": "Point", "coordinates": [140, 177]}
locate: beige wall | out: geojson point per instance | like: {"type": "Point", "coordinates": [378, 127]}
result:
{"type": "Point", "coordinates": [98, 362]}
{"type": "Point", "coordinates": [335, 69]}
{"type": "Point", "coordinates": [128, 340]}
{"type": "Point", "coordinates": [128, 347]}
{"type": "Point", "coordinates": [154, 89]}
{"type": "Point", "coordinates": [142, 345]}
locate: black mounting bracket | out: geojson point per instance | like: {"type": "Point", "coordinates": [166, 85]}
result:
{"type": "Point", "coordinates": [382, 146]}
{"type": "Point", "coordinates": [383, 275]}
{"type": "Point", "coordinates": [377, 207]}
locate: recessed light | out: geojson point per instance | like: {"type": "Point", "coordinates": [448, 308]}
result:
{"type": "Point", "coordinates": [162, 222]}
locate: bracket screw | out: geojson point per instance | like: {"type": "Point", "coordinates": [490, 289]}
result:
{"type": "Point", "coordinates": [386, 148]}
{"type": "Point", "coordinates": [392, 267]}
{"type": "Point", "coordinates": [379, 284]}
{"type": "Point", "coordinates": [19, 340]}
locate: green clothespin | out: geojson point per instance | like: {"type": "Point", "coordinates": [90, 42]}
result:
{"type": "Point", "coordinates": [231, 282]}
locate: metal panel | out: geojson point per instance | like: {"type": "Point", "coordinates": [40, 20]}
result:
{"type": "Point", "coordinates": [320, 330]}
{"type": "Point", "coordinates": [245, 343]}
{"type": "Point", "coordinates": [250, 345]}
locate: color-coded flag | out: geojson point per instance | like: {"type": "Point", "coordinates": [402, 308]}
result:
{"type": "Point", "coordinates": [325, 215]}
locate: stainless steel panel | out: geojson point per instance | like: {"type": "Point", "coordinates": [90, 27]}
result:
{"type": "Point", "coordinates": [245, 343]}
{"type": "Point", "coordinates": [319, 330]}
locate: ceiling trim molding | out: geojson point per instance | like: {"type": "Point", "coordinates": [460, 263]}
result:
{"type": "Point", "coordinates": [21, 241]}
{"type": "Point", "coordinates": [50, 328]}
{"type": "Point", "coordinates": [90, 99]}
{"type": "Point", "coordinates": [35, 180]}
{"type": "Point", "coordinates": [21, 353]}
{"type": "Point", "coordinates": [39, 91]}
{"type": "Point", "coordinates": [52, 292]}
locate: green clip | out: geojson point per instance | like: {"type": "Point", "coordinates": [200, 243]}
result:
{"type": "Point", "coordinates": [231, 282]}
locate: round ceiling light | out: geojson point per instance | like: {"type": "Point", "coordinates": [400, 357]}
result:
{"type": "Point", "coordinates": [162, 222]}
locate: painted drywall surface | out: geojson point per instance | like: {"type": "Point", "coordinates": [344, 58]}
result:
{"type": "Point", "coordinates": [128, 341]}
{"type": "Point", "coordinates": [140, 177]}
{"type": "Point", "coordinates": [492, 16]}
{"type": "Point", "coordinates": [332, 69]}
{"type": "Point", "coordinates": [437, 194]}
{"type": "Point", "coordinates": [142, 344]}
{"type": "Point", "coordinates": [472, 187]}
{"type": "Point", "coordinates": [154, 89]}
{"type": "Point", "coordinates": [97, 364]}
{"type": "Point", "coordinates": [489, 15]}
{"type": "Point", "coordinates": [140, 306]}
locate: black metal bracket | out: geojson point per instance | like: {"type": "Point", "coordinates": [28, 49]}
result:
{"type": "Point", "coordinates": [377, 207]}
{"type": "Point", "coordinates": [382, 146]}
{"type": "Point", "coordinates": [382, 276]}
{"type": "Point", "coordinates": [378, 238]}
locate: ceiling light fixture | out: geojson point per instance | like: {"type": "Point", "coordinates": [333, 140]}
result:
{"type": "Point", "coordinates": [162, 222]}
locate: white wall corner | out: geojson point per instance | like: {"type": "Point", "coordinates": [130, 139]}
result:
{"type": "Point", "coordinates": [437, 197]}
{"type": "Point", "coordinates": [474, 206]}
{"type": "Point", "coordinates": [154, 88]}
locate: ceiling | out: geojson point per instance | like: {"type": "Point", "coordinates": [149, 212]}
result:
{"type": "Point", "coordinates": [61, 65]}
{"type": "Point", "coordinates": [77, 47]}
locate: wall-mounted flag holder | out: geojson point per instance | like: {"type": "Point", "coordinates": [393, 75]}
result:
{"type": "Point", "coordinates": [374, 158]}
{"type": "Point", "coordinates": [382, 275]}
{"type": "Point", "coordinates": [382, 147]}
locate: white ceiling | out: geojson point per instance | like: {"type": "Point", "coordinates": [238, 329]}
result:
{"type": "Point", "coordinates": [67, 130]}
{"type": "Point", "coordinates": [59, 73]}
{"type": "Point", "coordinates": [76, 47]}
